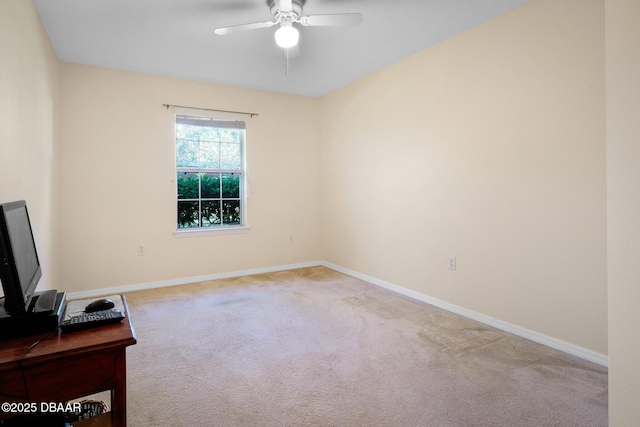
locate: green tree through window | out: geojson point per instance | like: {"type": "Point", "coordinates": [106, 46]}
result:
{"type": "Point", "coordinates": [210, 170]}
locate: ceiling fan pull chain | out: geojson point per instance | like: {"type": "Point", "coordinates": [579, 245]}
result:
{"type": "Point", "coordinates": [286, 64]}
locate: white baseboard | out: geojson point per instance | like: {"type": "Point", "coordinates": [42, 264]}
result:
{"type": "Point", "coordinates": [554, 343]}
{"type": "Point", "coordinates": [548, 341]}
{"type": "Point", "coordinates": [186, 280]}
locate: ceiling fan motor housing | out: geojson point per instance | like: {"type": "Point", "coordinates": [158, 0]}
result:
{"type": "Point", "coordinates": [296, 7]}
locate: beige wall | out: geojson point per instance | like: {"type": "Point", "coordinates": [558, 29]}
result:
{"type": "Point", "coordinates": [117, 174]}
{"type": "Point", "coordinates": [28, 106]}
{"type": "Point", "coordinates": [623, 192]}
{"type": "Point", "coordinates": [489, 147]}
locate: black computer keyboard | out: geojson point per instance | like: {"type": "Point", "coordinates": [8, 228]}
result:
{"type": "Point", "coordinates": [91, 320]}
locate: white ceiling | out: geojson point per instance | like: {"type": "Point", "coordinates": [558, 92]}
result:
{"type": "Point", "coordinates": [175, 38]}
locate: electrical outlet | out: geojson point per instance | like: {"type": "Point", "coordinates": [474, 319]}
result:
{"type": "Point", "coordinates": [290, 238]}
{"type": "Point", "coordinates": [452, 263]}
{"type": "Point", "coordinates": [140, 249]}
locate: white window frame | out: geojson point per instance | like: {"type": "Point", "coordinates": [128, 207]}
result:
{"type": "Point", "coordinates": [221, 230]}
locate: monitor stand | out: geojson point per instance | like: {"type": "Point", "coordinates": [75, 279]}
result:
{"type": "Point", "coordinates": [44, 315]}
{"type": "Point", "coordinates": [42, 303]}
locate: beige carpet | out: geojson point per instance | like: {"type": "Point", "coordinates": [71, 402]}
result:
{"type": "Point", "coordinates": [313, 347]}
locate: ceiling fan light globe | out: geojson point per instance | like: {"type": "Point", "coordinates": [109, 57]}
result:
{"type": "Point", "coordinates": [287, 36]}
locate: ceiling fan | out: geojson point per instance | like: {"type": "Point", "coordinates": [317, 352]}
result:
{"type": "Point", "coordinates": [288, 12]}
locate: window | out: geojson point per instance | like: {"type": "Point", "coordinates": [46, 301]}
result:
{"type": "Point", "coordinates": [210, 173]}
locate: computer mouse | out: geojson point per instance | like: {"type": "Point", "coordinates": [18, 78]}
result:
{"type": "Point", "coordinates": [100, 304]}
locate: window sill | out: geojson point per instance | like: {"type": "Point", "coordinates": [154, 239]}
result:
{"type": "Point", "coordinates": [209, 232]}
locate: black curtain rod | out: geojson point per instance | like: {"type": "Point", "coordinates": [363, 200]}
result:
{"type": "Point", "coordinates": [210, 109]}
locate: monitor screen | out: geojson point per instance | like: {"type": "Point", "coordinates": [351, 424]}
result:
{"type": "Point", "coordinates": [20, 268]}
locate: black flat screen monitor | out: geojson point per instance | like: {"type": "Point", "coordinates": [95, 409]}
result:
{"type": "Point", "coordinates": [20, 269]}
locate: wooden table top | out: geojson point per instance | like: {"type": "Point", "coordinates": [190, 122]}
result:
{"type": "Point", "coordinates": [57, 344]}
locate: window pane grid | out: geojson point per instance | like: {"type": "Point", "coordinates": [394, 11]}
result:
{"type": "Point", "coordinates": [207, 199]}
{"type": "Point", "coordinates": [209, 154]}
{"type": "Point", "coordinates": [209, 175]}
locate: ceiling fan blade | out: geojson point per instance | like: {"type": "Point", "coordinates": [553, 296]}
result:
{"type": "Point", "coordinates": [243, 27]}
{"type": "Point", "coordinates": [284, 5]}
{"type": "Point", "coordinates": [333, 20]}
